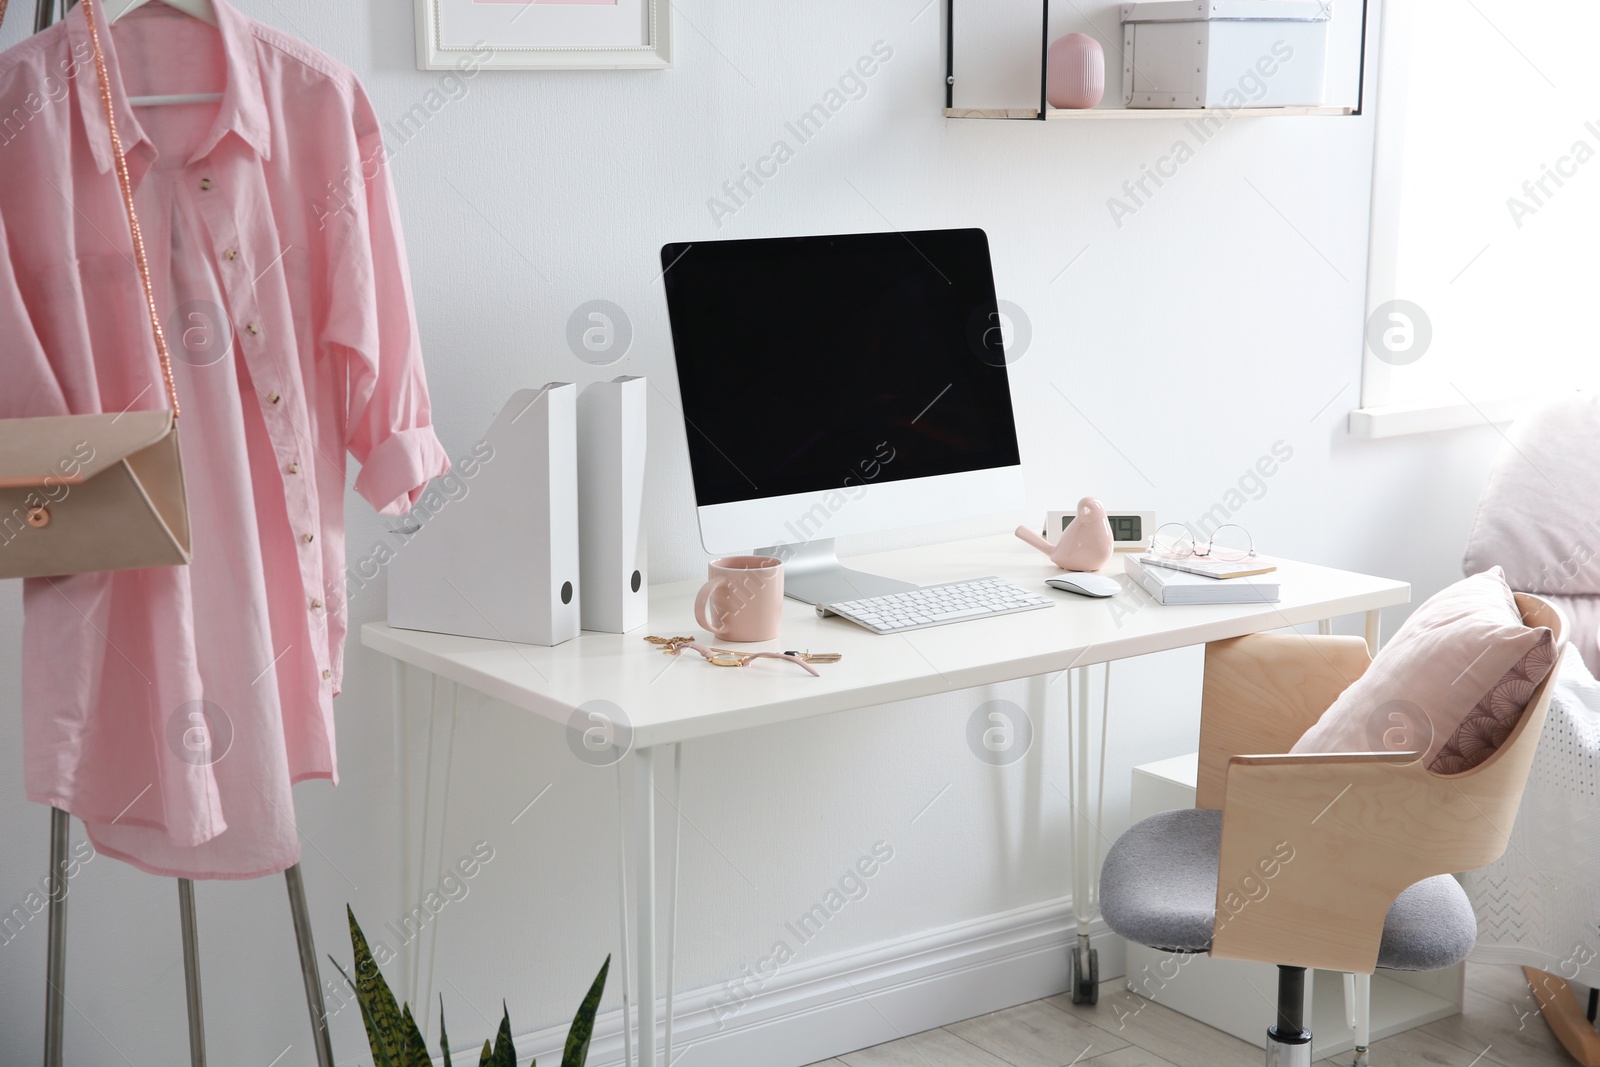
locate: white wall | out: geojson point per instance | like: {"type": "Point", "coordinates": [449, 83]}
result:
{"type": "Point", "coordinates": [1222, 317]}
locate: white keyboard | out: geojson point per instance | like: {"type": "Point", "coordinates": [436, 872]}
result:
{"type": "Point", "coordinates": [935, 605]}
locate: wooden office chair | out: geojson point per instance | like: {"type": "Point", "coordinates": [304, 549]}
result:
{"type": "Point", "coordinates": [1340, 861]}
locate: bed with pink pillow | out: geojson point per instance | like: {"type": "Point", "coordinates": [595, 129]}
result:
{"type": "Point", "coordinates": [1539, 523]}
{"type": "Point", "coordinates": [1539, 517]}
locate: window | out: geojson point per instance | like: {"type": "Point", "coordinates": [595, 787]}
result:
{"type": "Point", "coordinates": [1483, 271]}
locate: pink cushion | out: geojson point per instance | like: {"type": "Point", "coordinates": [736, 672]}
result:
{"type": "Point", "coordinates": [1448, 657]}
{"type": "Point", "coordinates": [1487, 726]}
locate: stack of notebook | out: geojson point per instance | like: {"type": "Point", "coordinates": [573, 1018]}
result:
{"type": "Point", "coordinates": [1198, 581]}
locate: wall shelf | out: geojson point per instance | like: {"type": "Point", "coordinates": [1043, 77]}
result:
{"type": "Point", "coordinates": [1069, 114]}
{"type": "Point", "coordinates": [1045, 111]}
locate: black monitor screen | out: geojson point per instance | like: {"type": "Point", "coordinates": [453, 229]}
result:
{"type": "Point", "coordinates": [811, 363]}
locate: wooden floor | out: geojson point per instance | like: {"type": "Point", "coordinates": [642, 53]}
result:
{"type": "Point", "coordinates": [1495, 1030]}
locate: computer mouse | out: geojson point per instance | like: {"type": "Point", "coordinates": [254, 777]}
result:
{"type": "Point", "coordinates": [1097, 585]}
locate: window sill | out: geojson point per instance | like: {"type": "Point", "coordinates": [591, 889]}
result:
{"type": "Point", "coordinates": [1400, 420]}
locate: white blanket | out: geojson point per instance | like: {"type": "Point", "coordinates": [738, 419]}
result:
{"type": "Point", "coordinates": [1539, 904]}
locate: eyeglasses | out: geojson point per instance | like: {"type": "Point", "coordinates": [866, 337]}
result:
{"type": "Point", "coordinates": [726, 657]}
{"type": "Point", "coordinates": [1173, 541]}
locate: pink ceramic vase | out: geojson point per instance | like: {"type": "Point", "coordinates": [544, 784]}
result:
{"type": "Point", "coordinates": [1075, 72]}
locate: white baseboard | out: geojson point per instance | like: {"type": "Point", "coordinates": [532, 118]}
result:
{"type": "Point", "coordinates": [811, 1011]}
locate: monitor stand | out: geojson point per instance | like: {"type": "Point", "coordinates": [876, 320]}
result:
{"type": "Point", "coordinates": [813, 574]}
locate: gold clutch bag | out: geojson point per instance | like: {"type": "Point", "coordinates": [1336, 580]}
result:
{"type": "Point", "coordinates": [82, 493]}
{"type": "Point", "coordinates": [91, 493]}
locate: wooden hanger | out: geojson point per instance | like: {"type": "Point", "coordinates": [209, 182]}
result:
{"type": "Point", "coordinates": [199, 9]}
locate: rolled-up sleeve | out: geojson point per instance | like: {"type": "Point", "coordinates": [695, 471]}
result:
{"type": "Point", "coordinates": [373, 325]}
{"type": "Point", "coordinates": [394, 473]}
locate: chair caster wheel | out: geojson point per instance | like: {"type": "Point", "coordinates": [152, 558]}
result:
{"type": "Point", "coordinates": [1086, 979]}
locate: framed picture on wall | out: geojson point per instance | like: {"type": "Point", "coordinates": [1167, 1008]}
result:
{"type": "Point", "coordinates": [544, 34]}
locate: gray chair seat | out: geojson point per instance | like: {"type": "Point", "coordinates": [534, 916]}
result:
{"type": "Point", "coordinates": [1158, 887]}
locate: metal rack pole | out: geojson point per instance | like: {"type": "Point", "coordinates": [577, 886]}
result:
{"type": "Point", "coordinates": [44, 13]}
{"type": "Point", "coordinates": [55, 976]}
{"type": "Point", "coordinates": [309, 972]}
{"type": "Point", "coordinates": [191, 972]}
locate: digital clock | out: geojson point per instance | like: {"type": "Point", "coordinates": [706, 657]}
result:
{"type": "Point", "coordinates": [1130, 530]}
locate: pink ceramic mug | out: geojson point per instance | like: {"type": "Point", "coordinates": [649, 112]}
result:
{"type": "Point", "coordinates": [743, 601]}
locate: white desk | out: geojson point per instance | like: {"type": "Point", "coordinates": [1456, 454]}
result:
{"type": "Point", "coordinates": [665, 701]}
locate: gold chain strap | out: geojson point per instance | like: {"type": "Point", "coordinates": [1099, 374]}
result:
{"type": "Point", "coordinates": [127, 200]}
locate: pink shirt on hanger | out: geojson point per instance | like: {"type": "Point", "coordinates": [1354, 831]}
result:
{"type": "Point", "coordinates": [171, 709]}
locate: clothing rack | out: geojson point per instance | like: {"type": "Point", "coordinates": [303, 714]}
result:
{"type": "Point", "coordinates": [45, 14]}
{"type": "Point", "coordinates": [56, 956]}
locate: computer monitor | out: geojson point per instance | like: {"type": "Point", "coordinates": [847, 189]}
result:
{"type": "Point", "coordinates": [840, 385]}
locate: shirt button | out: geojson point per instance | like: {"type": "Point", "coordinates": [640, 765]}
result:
{"type": "Point", "coordinates": [293, 468]}
{"type": "Point", "coordinates": [232, 253]}
{"type": "Point", "coordinates": [273, 398]}
{"type": "Point", "coordinates": [307, 538]}
{"type": "Point", "coordinates": [252, 329]}
{"type": "Point", "coordinates": [316, 605]}
{"type": "Point", "coordinates": [326, 674]}
{"type": "Point", "coordinates": [205, 184]}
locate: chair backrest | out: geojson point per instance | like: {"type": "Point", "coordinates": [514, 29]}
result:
{"type": "Point", "coordinates": [1495, 786]}
{"type": "Point", "coordinates": [1362, 827]}
{"type": "Point", "coordinates": [1263, 691]}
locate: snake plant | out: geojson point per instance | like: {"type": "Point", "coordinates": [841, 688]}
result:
{"type": "Point", "coordinates": [396, 1042]}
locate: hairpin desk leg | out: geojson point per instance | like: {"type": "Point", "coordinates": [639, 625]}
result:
{"type": "Point", "coordinates": [622, 904]}
{"type": "Point", "coordinates": [672, 896]}
{"type": "Point", "coordinates": [55, 975]}
{"type": "Point", "coordinates": [191, 972]}
{"type": "Point", "coordinates": [309, 972]}
{"type": "Point", "coordinates": [1082, 830]}
{"type": "Point", "coordinates": [644, 769]}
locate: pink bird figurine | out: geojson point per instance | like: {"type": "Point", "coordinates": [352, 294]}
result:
{"type": "Point", "coordinates": [1085, 544]}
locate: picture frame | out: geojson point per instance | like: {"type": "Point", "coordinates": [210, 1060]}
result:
{"type": "Point", "coordinates": [544, 34]}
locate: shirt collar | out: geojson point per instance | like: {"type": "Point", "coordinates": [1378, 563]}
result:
{"type": "Point", "coordinates": [243, 109]}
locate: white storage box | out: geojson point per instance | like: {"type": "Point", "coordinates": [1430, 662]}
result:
{"type": "Point", "coordinates": [497, 557]}
{"type": "Point", "coordinates": [1224, 53]}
